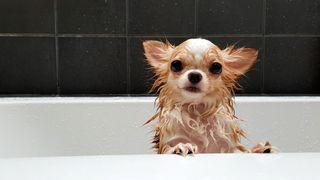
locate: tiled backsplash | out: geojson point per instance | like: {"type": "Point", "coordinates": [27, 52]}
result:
{"type": "Point", "coordinates": [94, 47]}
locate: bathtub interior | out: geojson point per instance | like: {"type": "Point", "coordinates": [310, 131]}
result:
{"type": "Point", "coordinates": [36, 127]}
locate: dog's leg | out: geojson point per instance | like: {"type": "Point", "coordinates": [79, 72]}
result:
{"type": "Point", "coordinates": [262, 148]}
{"type": "Point", "coordinates": [181, 149]}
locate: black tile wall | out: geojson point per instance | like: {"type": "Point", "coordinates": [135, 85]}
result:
{"type": "Point", "coordinates": [162, 17]}
{"type": "Point", "coordinates": [293, 16]}
{"type": "Point", "coordinates": [230, 17]}
{"type": "Point", "coordinates": [32, 16]}
{"type": "Point", "coordinates": [80, 48]}
{"type": "Point", "coordinates": [27, 65]}
{"type": "Point", "coordinates": [292, 65]}
{"type": "Point", "coordinates": [95, 17]}
{"type": "Point", "coordinates": [141, 76]}
{"type": "Point", "coordinates": [92, 65]}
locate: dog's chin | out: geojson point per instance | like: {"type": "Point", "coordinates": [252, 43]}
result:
{"type": "Point", "coordinates": [192, 93]}
{"type": "Point", "coordinates": [192, 89]}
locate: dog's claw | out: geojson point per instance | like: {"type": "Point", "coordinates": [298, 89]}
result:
{"type": "Point", "coordinates": [262, 148]}
{"type": "Point", "coordinates": [185, 149]}
{"type": "Point", "coordinates": [267, 150]}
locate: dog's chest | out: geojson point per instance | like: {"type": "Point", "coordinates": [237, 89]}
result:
{"type": "Point", "coordinates": [211, 134]}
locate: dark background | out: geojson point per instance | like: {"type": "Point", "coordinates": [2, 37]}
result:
{"type": "Point", "coordinates": [93, 47]}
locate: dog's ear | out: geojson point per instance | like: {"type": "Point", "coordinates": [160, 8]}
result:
{"type": "Point", "coordinates": [239, 60]}
{"type": "Point", "coordinates": [157, 53]}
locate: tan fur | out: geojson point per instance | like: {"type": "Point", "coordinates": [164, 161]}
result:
{"type": "Point", "coordinates": [204, 125]}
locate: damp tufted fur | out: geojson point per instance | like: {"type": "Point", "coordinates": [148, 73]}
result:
{"type": "Point", "coordinates": [204, 121]}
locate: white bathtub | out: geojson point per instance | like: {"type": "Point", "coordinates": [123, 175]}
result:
{"type": "Point", "coordinates": [82, 138]}
{"type": "Point", "coordinates": [99, 126]}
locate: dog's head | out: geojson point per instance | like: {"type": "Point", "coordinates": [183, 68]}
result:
{"type": "Point", "coordinates": [197, 69]}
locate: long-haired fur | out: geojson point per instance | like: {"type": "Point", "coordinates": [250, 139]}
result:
{"type": "Point", "coordinates": [212, 120]}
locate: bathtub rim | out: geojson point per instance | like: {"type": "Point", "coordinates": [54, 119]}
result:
{"type": "Point", "coordinates": [150, 99]}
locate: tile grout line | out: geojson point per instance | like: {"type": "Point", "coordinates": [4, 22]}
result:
{"type": "Point", "coordinates": [196, 2]}
{"type": "Point", "coordinates": [264, 16]}
{"type": "Point", "coordinates": [56, 46]}
{"type": "Point", "coordinates": [128, 59]}
{"type": "Point", "coordinates": [292, 35]}
{"type": "Point", "coordinates": [263, 56]}
{"type": "Point", "coordinates": [152, 35]}
{"type": "Point", "coordinates": [26, 35]}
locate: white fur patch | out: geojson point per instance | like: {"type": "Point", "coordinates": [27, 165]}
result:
{"type": "Point", "coordinates": [198, 47]}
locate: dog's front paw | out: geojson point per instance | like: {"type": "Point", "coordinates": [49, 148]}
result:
{"type": "Point", "coordinates": [262, 148]}
{"type": "Point", "coordinates": [184, 149]}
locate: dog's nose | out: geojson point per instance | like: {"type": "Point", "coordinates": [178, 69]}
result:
{"type": "Point", "coordinates": [194, 77]}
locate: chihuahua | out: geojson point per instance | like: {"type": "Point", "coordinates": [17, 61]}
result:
{"type": "Point", "coordinates": [196, 81]}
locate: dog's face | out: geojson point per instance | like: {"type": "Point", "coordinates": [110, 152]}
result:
{"type": "Point", "coordinates": [197, 68]}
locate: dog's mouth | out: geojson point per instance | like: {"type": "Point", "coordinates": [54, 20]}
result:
{"type": "Point", "coordinates": [192, 89]}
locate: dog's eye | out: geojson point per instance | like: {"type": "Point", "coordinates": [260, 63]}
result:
{"type": "Point", "coordinates": [176, 66]}
{"type": "Point", "coordinates": [215, 68]}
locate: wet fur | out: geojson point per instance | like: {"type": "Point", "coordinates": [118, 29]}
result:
{"type": "Point", "coordinates": [204, 126]}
